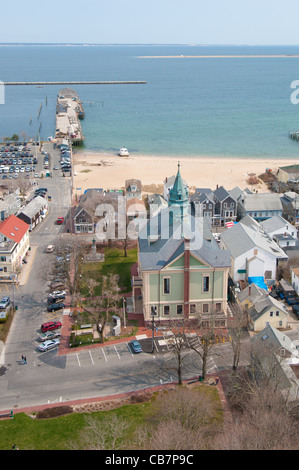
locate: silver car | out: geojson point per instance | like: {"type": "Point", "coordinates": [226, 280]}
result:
{"type": "Point", "coordinates": [49, 344]}
{"type": "Point", "coordinates": [49, 335]}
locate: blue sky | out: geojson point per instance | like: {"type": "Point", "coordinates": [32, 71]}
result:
{"type": "Point", "coordinates": [151, 21]}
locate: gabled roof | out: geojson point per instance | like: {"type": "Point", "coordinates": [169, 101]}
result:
{"type": "Point", "coordinates": [290, 168]}
{"type": "Point", "coordinates": [34, 206]}
{"type": "Point", "coordinates": [80, 209]}
{"type": "Point", "coordinates": [251, 293]}
{"type": "Point", "coordinates": [157, 199]}
{"type": "Point", "coordinates": [262, 202]}
{"type": "Point", "coordinates": [275, 223]}
{"type": "Point", "coordinates": [200, 198]}
{"type": "Point", "coordinates": [14, 228]}
{"type": "Point", "coordinates": [158, 254]}
{"type": "Point", "coordinates": [263, 304]}
{"type": "Point", "coordinates": [242, 237]}
{"type": "Point", "coordinates": [133, 182]}
{"type": "Point", "coordinates": [221, 194]}
{"type": "Point", "coordinates": [275, 339]}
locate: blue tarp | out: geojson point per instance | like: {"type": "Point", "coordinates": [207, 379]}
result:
{"type": "Point", "coordinates": [258, 281]}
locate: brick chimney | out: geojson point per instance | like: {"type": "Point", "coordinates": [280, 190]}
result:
{"type": "Point", "coordinates": [186, 276]}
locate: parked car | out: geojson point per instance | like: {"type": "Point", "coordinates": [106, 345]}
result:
{"type": "Point", "coordinates": [135, 346]}
{"type": "Point", "coordinates": [274, 294]}
{"type": "Point", "coordinates": [291, 300]}
{"type": "Point", "coordinates": [60, 220]}
{"type": "Point", "coordinates": [4, 302]}
{"type": "Point", "coordinates": [54, 307]}
{"type": "Point", "coordinates": [49, 344]}
{"type": "Point", "coordinates": [49, 335]}
{"type": "Point", "coordinates": [57, 293]}
{"type": "Point", "coordinates": [55, 300]}
{"type": "Point", "coordinates": [57, 284]}
{"type": "Point", "coordinates": [50, 325]}
{"type": "Point", "coordinates": [50, 248]}
{"type": "Point", "coordinates": [295, 310]}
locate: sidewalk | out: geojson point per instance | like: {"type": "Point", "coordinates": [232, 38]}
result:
{"type": "Point", "coordinates": [64, 347]}
{"type": "Point", "coordinates": [23, 276]}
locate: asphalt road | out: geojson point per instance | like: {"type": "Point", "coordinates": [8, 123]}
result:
{"type": "Point", "coordinates": [49, 378]}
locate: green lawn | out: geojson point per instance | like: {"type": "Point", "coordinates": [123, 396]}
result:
{"type": "Point", "coordinates": [115, 263]}
{"type": "Point", "coordinates": [64, 432]}
{"type": "Point", "coordinates": [57, 433]}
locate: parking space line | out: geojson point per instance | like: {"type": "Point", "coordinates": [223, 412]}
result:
{"type": "Point", "coordinates": [116, 351]}
{"type": "Point", "coordinates": [91, 358]}
{"type": "Point", "coordinates": [104, 354]}
{"type": "Point", "coordinates": [130, 350]}
{"type": "Point", "coordinates": [78, 359]}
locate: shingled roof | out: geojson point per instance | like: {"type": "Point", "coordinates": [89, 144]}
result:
{"type": "Point", "coordinates": [14, 228]}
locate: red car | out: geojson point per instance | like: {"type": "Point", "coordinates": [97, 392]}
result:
{"type": "Point", "coordinates": [60, 220]}
{"type": "Point", "coordinates": [50, 325]}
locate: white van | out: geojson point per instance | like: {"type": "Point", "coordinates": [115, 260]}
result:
{"type": "Point", "coordinates": [50, 249]}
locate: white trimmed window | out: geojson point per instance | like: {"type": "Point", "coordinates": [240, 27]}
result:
{"type": "Point", "coordinates": [179, 309]}
{"type": "Point", "coordinates": [166, 285]}
{"type": "Point", "coordinates": [206, 284]}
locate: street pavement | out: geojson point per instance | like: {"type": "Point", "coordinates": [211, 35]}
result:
{"type": "Point", "coordinates": [88, 373]}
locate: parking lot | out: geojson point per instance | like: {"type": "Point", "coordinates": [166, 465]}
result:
{"type": "Point", "coordinates": [31, 161]}
{"type": "Point", "coordinates": [18, 159]}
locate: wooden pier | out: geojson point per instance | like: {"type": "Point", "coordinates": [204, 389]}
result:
{"type": "Point", "coordinates": [69, 110]}
{"type": "Point", "coordinates": [38, 84]}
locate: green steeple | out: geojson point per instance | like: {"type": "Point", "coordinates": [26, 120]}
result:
{"type": "Point", "coordinates": [178, 196]}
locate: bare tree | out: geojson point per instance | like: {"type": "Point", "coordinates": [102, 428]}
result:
{"type": "Point", "coordinates": [203, 343]}
{"type": "Point", "coordinates": [106, 433]}
{"type": "Point", "coordinates": [262, 416]}
{"type": "Point", "coordinates": [184, 419]}
{"type": "Point", "coordinates": [236, 327]}
{"type": "Point", "coordinates": [22, 183]}
{"type": "Point", "coordinates": [176, 344]}
{"type": "Point", "coordinates": [100, 305]}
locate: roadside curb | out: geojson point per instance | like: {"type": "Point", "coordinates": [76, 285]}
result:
{"type": "Point", "coordinates": [120, 396]}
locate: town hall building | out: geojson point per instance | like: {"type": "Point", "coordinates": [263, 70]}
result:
{"type": "Point", "coordinates": [181, 274]}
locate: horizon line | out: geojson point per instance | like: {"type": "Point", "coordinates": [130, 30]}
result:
{"type": "Point", "coordinates": [140, 44]}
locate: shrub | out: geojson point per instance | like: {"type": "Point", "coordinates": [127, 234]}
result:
{"type": "Point", "coordinates": [54, 412]}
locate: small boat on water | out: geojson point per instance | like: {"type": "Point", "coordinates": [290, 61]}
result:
{"type": "Point", "coordinates": [123, 152]}
{"type": "Point", "coordinates": [39, 86]}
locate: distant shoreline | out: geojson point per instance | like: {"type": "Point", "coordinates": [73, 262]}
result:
{"type": "Point", "coordinates": [249, 56]}
{"type": "Point", "coordinates": [68, 44]}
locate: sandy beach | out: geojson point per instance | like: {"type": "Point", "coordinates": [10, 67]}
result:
{"type": "Point", "coordinates": [109, 171]}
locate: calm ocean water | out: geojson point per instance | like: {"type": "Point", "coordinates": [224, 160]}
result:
{"type": "Point", "coordinates": [189, 106]}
